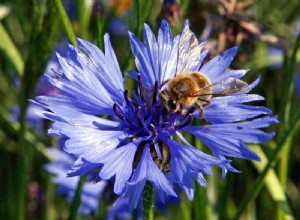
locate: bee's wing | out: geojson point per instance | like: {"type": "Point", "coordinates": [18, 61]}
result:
{"type": "Point", "coordinates": [236, 87]}
{"type": "Point", "coordinates": [229, 86]}
{"type": "Point", "coordinates": [188, 52]}
{"type": "Point", "coordinates": [225, 87]}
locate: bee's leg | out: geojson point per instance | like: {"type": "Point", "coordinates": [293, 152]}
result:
{"type": "Point", "coordinates": [200, 106]}
{"type": "Point", "coordinates": [164, 99]}
{"type": "Point", "coordinates": [207, 102]}
{"type": "Point", "coordinates": [181, 110]}
{"type": "Point", "coordinates": [190, 111]}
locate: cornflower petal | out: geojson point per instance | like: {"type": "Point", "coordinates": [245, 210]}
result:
{"type": "Point", "coordinates": [188, 163]}
{"type": "Point", "coordinates": [232, 108]}
{"type": "Point", "coordinates": [121, 210]}
{"type": "Point", "coordinates": [228, 139]}
{"type": "Point", "coordinates": [106, 64]}
{"type": "Point", "coordinates": [119, 163]}
{"type": "Point", "coordinates": [133, 193]}
{"type": "Point", "coordinates": [142, 60]}
{"type": "Point", "coordinates": [152, 49]}
{"type": "Point", "coordinates": [168, 53]}
{"type": "Point", "coordinates": [91, 192]}
{"type": "Point", "coordinates": [77, 87]}
{"type": "Point", "coordinates": [70, 115]}
{"type": "Point", "coordinates": [91, 144]}
{"type": "Point", "coordinates": [79, 79]}
{"type": "Point", "coordinates": [217, 66]}
{"type": "Point", "coordinates": [147, 170]}
{"type": "Point", "coordinates": [156, 60]}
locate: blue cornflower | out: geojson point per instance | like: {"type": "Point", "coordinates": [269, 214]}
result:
{"type": "Point", "coordinates": [91, 193]}
{"type": "Point", "coordinates": [297, 83]}
{"type": "Point", "coordinates": [118, 27]}
{"type": "Point", "coordinates": [135, 142]}
{"type": "Point", "coordinates": [43, 85]}
{"type": "Point", "coordinates": [170, 1]}
{"type": "Point", "coordinates": [32, 118]}
{"type": "Point", "coordinates": [43, 88]}
{"type": "Point", "coordinates": [275, 57]}
{"type": "Point", "coordinates": [121, 210]}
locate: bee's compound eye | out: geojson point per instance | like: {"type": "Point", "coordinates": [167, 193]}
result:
{"type": "Point", "coordinates": [172, 104]}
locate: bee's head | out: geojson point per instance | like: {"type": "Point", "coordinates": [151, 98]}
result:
{"type": "Point", "coordinates": [173, 105]}
{"type": "Point", "coordinates": [169, 102]}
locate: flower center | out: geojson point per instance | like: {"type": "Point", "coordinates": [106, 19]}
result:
{"type": "Point", "coordinates": [145, 117]}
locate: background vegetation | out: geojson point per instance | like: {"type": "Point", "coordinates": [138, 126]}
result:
{"type": "Point", "coordinates": [266, 32]}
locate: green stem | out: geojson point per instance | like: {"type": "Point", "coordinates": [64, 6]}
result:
{"type": "Point", "coordinates": [24, 154]}
{"type": "Point", "coordinates": [66, 22]}
{"type": "Point", "coordinates": [224, 197]}
{"type": "Point", "coordinates": [23, 167]}
{"type": "Point", "coordinates": [76, 200]}
{"type": "Point", "coordinates": [148, 201]}
{"type": "Point", "coordinates": [288, 133]}
{"type": "Point", "coordinates": [200, 200]}
{"type": "Point", "coordinates": [185, 209]}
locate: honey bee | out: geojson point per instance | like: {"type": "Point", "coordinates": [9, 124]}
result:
{"type": "Point", "coordinates": [189, 91]}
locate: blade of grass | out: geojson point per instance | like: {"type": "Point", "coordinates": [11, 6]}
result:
{"type": "Point", "coordinates": [9, 49]}
{"type": "Point", "coordinates": [224, 198]}
{"type": "Point", "coordinates": [25, 153]}
{"type": "Point", "coordinates": [147, 7]}
{"type": "Point", "coordinates": [41, 31]}
{"type": "Point", "coordinates": [212, 193]}
{"type": "Point", "coordinates": [66, 22]}
{"type": "Point", "coordinates": [200, 204]}
{"type": "Point", "coordinates": [100, 25]}
{"type": "Point", "coordinates": [139, 18]}
{"type": "Point", "coordinates": [12, 127]}
{"type": "Point", "coordinates": [84, 13]}
{"type": "Point", "coordinates": [287, 134]}
{"type": "Point", "coordinates": [289, 85]}
{"type": "Point", "coordinates": [288, 91]}
{"type": "Point", "coordinates": [273, 184]}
